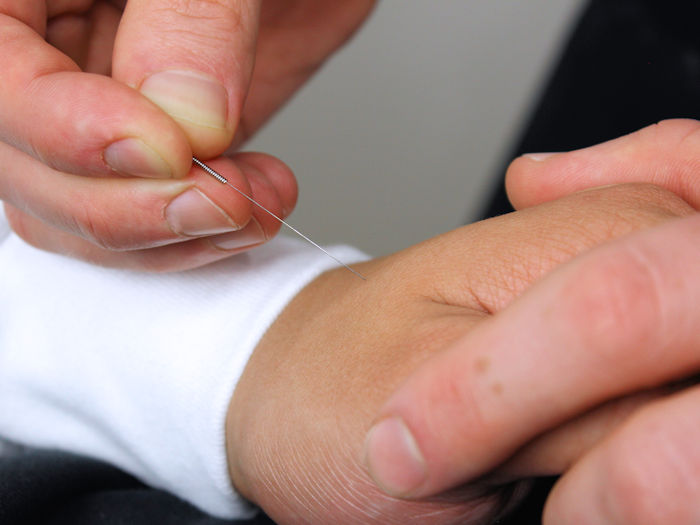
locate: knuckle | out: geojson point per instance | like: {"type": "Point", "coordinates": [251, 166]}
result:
{"type": "Point", "coordinates": [615, 306]}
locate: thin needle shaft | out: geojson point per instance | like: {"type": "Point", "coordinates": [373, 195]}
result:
{"type": "Point", "coordinates": [224, 180]}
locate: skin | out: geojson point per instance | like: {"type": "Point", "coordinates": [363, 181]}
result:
{"type": "Point", "coordinates": [84, 112]}
{"type": "Point", "coordinates": [626, 316]}
{"type": "Point", "coordinates": [299, 416]}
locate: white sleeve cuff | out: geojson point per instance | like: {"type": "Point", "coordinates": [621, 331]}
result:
{"type": "Point", "coordinates": [138, 369]}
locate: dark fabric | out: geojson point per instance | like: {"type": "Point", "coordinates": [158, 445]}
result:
{"type": "Point", "coordinates": [629, 63]}
{"type": "Point", "coordinates": [40, 487]}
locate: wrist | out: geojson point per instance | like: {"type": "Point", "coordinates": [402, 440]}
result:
{"type": "Point", "coordinates": [254, 396]}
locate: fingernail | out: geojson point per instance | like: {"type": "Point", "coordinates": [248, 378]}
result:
{"type": "Point", "coordinates": [539, 157]}
{"type": "Point", "coordinates": [249, 236]}
{"type": "Point", "coordinates": [134, 157]}
{"type": "Point", "coordinates": [189, 96]}
{"type": "Point", "coordinates": [394, 460]}
{"type": "Point", "coordinates": [192, 213]}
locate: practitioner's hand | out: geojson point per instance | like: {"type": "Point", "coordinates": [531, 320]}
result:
{"type": "Point", "coordinates": [72, 137]}
{"type": "Point", "coordinates": [631, 485]}
{"type": "Point", "coordinates": [617, 320]}
{"type": "Point", "coordinates": [314, 385]}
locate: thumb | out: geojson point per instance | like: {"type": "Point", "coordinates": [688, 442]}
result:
{"type": "Point", "coordinates": [666, 154]}
{"type": "Point", "coordinates": [194, 60]}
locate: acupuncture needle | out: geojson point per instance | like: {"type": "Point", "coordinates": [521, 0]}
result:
{"type": "Point", "coordinates": [225, 181]}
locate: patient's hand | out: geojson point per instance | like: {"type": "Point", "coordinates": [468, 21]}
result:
{"type": "Point", "coordinates": [298, 419]}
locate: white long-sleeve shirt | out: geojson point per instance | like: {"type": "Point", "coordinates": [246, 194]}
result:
{"type": "Point", "coordinates": [138, 369]}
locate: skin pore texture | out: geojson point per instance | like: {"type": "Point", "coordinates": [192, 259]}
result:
{"type": "Point", "coordinates": [313, 388]}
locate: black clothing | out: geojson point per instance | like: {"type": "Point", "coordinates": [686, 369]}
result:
{"type": "Point", "coordinates": [628, 64]}
{"type": "Point", "coordinates": [53, 488]}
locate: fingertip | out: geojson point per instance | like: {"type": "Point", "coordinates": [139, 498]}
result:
{"type": "Point", "coordinates": [231, 196]}
{"type": "Point", "coordinates": [250, 236]}
{"type": "Point", "coordinates": [268, 197]}
{"type": "Point", "coordinates": [515, 182]}
{"type": "Point", "coordinates": [258, 224]}
{"type": "Point", "coordinates": [198, 103]}
{"type": "Point", "coordinates": [393, 458]}
{"type": "Point", "coordinates": [425, 437]}
{"type": "Point", "coordinates": [278, 174]}
{"type": "Point", "coordinates": [538, 157]}
{"type": "Point", "coordinates": [527, 179]}
{"type": "Point", "coordinates": [261, 225]}
{"type": "Point", "coordinates": [552, 512]}
{"type": "Point", "coordinates": [192, 213]}
{"type": "Point", "coordinates": [579, 498]}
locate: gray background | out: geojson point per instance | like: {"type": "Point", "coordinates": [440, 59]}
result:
{"type": "Point", "coordinates": [398, 137]}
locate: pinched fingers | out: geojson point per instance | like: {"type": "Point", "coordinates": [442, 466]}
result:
{"type": "Point", "coordinates": [613, 321]}
{"type": "Point", "coordinates": [148, 224]}
{"type": "Point", "coordinates": [194, 62]}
